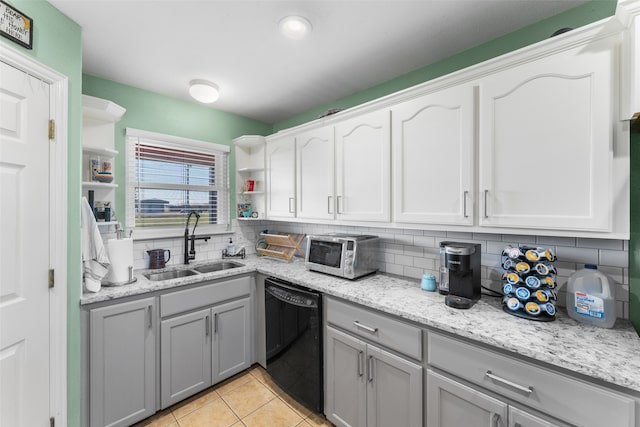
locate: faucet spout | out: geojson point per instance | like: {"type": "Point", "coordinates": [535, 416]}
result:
{"type": "Point", "coordinates": [190, 253]}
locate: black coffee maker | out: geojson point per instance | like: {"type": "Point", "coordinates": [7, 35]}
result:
{"type": "Point", "coordinates": [460, 273]}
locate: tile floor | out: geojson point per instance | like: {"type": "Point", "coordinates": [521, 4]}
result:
{"type": "Point", "coordinates": [249, 399]}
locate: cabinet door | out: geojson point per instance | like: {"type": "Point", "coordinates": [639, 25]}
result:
{"type": "Point", "coordinates": [281, 175]}
{"type": "Point", "coordinates": [345, 380]}
{"type": "Point", "coordinates": [452, 404]}
{"type": "Point", "coordinates": [363, 168]}
{"type": "Point", "coordinates": [185, 356]}
{"type": "Point", "coordinates": [433, 146]}
{"type": "Point", "coordinates": [394, 390]}
{"type": "Point", "coordinates": [122, 363]}
{"type": "Point", "coordinates": [314, 174]}
{"type": "Point", "coordinates": [231, 338]}
{"type": "Point", "coordinates": [520, 418]}
{"type": "Point", "coordinates": [546, 141]}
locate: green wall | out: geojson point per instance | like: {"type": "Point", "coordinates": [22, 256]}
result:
{"type": "Point", "coordinates": [158, 113]}
{"type": "Point", "coordinates": [57, 44]}
{"type": "Point", "coordinates": [574, 18]}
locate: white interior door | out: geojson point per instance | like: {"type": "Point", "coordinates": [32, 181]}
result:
{"type": "Point", "coordinates": [24, 249]}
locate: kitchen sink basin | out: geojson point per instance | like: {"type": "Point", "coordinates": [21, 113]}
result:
{"type": "Point", "coordinates": [172, 274]}
{"type": "Point", "coordinates": [218, 266]}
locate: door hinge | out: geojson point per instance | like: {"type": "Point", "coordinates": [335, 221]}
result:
{"type": "Point", "coordinates": [52, 129]}
{"type": "Point", "coordinates": [51, 278]}
{"type": "Point", "coordinates": [52, 422]}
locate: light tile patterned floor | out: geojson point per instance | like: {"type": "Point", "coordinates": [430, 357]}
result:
{"type": "Point", "coordinates": [249, 399]}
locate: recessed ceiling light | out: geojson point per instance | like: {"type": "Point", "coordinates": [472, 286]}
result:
{"type": "Point", "coordinates": [295, 27]}
{"type": "Point", "coordinates": [203, 91]}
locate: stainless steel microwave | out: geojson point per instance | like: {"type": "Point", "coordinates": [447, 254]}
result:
{"type": "Point", "coordinates": [343, 255]}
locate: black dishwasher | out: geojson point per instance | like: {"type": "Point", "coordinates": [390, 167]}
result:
{"type": "Point", "coordinates": [293, 322]}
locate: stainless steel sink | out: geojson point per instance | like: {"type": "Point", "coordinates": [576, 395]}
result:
{"type": "Point", "coordinates": [218, 266]}
{"type": "Point", "coordinates": [171, 274]}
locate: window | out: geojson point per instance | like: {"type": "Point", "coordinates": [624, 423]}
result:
{"type": "Point", "coordinates": [168, 177]}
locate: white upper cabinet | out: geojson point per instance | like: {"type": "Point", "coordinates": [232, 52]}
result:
{"type": "Point", "coordinates": [280, 173]}
{"type": "Point", "coordinates": [433, 142]}
{"type": "Point", "coordinates": [363, 168]}
{"type": "Point", "coordinates": [546, 141]}
{"type": "Point", "coordinates": [628, 12]}
{"type": "Point", "coordinates": [315, 174]}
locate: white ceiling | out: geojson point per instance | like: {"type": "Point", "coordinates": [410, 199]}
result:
{"type": "Point", "coordinates": [160, 45]}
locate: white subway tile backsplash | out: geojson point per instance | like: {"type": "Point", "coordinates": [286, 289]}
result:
{"type": "Point", "coordinates": [425, 263]}
{"type": "Point", "coordinates": [404, 260]}
{"type": "Point", "coordinates": [578, 255]}
{"type": "Point", "coordinates": [425, 241]}
{"type": "Point", "coordinates": [614, 258]}
{"type": "Point", "coordinates": [616, 245]}
{"type": "Point", "coordinates": [554, 240]}
{"type": "Point", "coordinates": [458, 235]}
{"type": "Point", "coordinates": [411, 252]}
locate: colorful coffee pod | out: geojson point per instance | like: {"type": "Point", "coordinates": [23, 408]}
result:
{"type": "Point", "coordinates": [544, 295]}
{"type": "Point", "coordinates": [532, 282]}
{"type": "Point", "coordinates": [539, 253]}
{"type": "Point", "coordinates": [523, 293]}
{"type": "Point", "coordinates": [523, 267]}
{"type": "Point", "coordinates": [544, 269]}
{"type": "Point", "coordinates": [507, 288]}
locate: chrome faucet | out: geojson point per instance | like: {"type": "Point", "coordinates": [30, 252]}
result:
{"type": "Point", "coordinates": [190, 253]}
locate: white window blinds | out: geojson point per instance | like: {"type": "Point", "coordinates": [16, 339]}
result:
{"type": "Point", "coordinates": [168, 177]}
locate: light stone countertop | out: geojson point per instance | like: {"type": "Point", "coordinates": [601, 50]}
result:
{"type": "Point", "coordinates": [610, 355]}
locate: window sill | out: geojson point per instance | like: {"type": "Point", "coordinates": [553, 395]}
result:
{"type": "Point", "coordinates": [174, 233]}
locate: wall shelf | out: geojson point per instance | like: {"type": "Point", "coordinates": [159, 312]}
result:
{"type": "Point", "coordinates": [96, 185]}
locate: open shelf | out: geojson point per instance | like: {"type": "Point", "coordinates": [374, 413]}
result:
{"type": "Point", "coordinates": [96, 184]}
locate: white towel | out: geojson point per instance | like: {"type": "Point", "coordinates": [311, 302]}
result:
{"type": "Point", "coordinates": [95, 260]}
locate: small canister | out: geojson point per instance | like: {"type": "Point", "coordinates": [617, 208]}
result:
{"type": "Point", "coordinates": [428, 282]}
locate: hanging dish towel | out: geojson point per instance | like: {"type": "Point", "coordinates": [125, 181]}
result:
{"type": "Point", "coordinates": [95, 261]}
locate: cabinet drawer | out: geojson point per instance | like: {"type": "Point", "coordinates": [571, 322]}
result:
{"type": "Point", "coordinates": [565, 398]}
{"type": "Point", "coordinates": [204, 295]}
{"type": "Point", "coordinates": [391, 333]}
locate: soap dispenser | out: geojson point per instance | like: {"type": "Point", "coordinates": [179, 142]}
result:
{"type": "Point", "coordinates": [231, 248]}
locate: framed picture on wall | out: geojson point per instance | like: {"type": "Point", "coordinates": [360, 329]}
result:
{"type": "Point", "coordinates": [16, 26]}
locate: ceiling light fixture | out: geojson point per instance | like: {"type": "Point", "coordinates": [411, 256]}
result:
{"type": "Point", "coordinates": [203, 91]}
{"type": "Point", "coordinates": [295, 27]}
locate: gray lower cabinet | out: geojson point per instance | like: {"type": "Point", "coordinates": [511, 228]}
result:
{"type": "Point", "coordinates": [369, 386]}
{"type": "Point", "coordinates": [452, 404]}
{"type": "Point", "coordinates": [231, 338]}
{"type": "Point", "coordinates": [471, 385]}
{"type": "Point", "coordinates": [186, 356]}
{"type": "Point", "coordinates": [206, 336]}
{"type": "Point", "coordinates": [123, 363]}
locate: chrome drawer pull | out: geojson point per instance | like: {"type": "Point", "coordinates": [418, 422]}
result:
{"type": "Point", "coordinates": [365, 327]}
{"type": "Point", "coordinates": [522, 388]}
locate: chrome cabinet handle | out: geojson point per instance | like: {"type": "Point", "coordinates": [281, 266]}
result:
{"type": "Point", "coordinates": [290, 209]}
{"type": "Point", "coordinates": [365, 327]}
{"type": "Point", "coordinates": [329, 204]}
{"type": "Point", "coordinates": [465, 193]}
{"type": "Point", "coordinates": [360, 363]}
{"type": "Point", "coordinates": [511, 384]}
{"type": "Point", "coordinates": [494, 420]}
{"type": "Point", "coordinates": [150, 310]}
{"type": "Point", "coordinates": [339, 198]}
{"type": "Point", "coordinates": [370, 369]}
{"type": "Point", "coordinates": [486, 192]}
{"type": "Point", "coordinates": [206, 326]}
{"type": "Point", "coordinates": [215, 323]}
